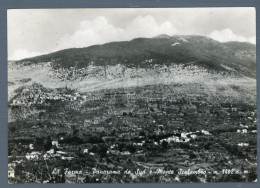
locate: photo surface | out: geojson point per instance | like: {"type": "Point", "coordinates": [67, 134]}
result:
{"type": "Point", "coordinates": [132, 95]}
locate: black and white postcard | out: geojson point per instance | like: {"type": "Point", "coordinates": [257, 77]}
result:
{"type": "Point", "coordinates": [132, 95]}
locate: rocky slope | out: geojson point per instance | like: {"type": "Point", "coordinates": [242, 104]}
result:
{"type": "Point", "coordinates": [143, 61]}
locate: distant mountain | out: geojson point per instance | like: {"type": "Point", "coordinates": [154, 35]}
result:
{"type": "Point", "coordinates": [163, 49]}
{"type": "Point", "coordinates": [164, 59]}
{"type": "Point", "coordinates": [163, 36]}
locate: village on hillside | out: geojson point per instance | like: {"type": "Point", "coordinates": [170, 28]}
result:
{"type": "Point", "coordinates": [66, 136]}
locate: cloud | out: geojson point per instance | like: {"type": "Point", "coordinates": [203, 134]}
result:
{"type": "Point", "coordinates": [226, 35]}
{"type": "Point", "coordinates": [100, 31]}
{"type": "Point", "coordinates": [90, 33]}
{"type": "Point", "coordinates": [147, 26]}
{"type": "Point", "coordinates": [21, 54]}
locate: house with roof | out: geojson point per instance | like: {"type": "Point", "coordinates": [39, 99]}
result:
{"type": "Point", "coordinates": [184, 135]}
{"type": "Point", "coordinates": [244, 130]}
{"type": "Point", "coordinates": [193, 136]}
{"type": "Point", "coordinates": [205, 132]}
{"type": "Point", "coordinates": [55, 143]}
{"type": "Point", "coordinates": [11, 172]}
{"type": "Point", "coordinates": [243, 144]}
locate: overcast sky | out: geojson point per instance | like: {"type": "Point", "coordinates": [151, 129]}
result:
{"type": "Point", "coordinates": [34, 32]}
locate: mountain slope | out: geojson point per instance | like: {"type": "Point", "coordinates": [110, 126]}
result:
{"type": "Point", "coordinates": [162, 49]}
{"type": "Point", "coordinates": [143, 61]}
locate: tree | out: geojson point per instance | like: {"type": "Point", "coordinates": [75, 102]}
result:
{"type": "Point", "coordinates": [102, 151]}
{"type": "Point", "coordinates": [47, 143]}
{"type": "Point", "coordinates": [75, 130]}
{"type": "Point", "coordinates": [142, 133]}
{"type": "Point", "coordinates": [95, 139]}
{"type": "Point", "coordinates": [207, 145]}
{"type": "Point", "coordinates": [94, 149]}
{"type": "Point", "coordinates": [121, 146]}
{"type": "Point", "coordinates": [192, 155]}
{"type": "Point", "coordinates": [131, 148]}
{"type": "Point", "coordinates": [12, 129]}
{"type": "Point", "coordinates": [164, 144]}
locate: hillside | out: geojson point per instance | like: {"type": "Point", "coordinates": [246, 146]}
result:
{"type": "Point", "coordinates": [163, 50]}
{"type": "Point", "coordinates": [139, 62]}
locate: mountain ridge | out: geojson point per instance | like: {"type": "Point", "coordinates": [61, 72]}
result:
{"type": "Point", "coordinates": [163, 50]}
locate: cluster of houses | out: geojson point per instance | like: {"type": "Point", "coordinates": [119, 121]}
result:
{"type": "Point", "coordinates": [52, 153]}
{"type": "Point", "coordinates": [175, 139]}
{"type": "Point", "coordinates": [185, 136]}
{"type": "Point", "coordinates": [38, 97]}
{"type": "Point", "coordinates": [243, 144]}
{"type": "Point", "coordinates": [243, 131]}
{"type": "Point", "coordinates": [128, 121]}
{"type": "Point", "coordinates": [35, 155]}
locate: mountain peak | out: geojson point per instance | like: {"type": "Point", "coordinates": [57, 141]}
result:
{"type": "Point", "coordinates": [163, 36]}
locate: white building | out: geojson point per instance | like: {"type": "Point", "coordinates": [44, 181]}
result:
{"type": "Point", "coordinates": [67, 158]}
{"type": "Point", "coordinates": [205, 132]}
{"type": "Point", "coordinates": [243, 144]}
{"type": "Point", "coordinates": [193, 136]}
{"type": "Point", "coordinates": [33, 155]}
{"type": "Point", "coordinates": [61, 152]}
{"type": "Point", "coordinates": [31, 146]}
{"type": "Point", "coordinates": [184, 135]}
{"type": "Point", "coordinates": [55, 143]}
{"type": "Point", "coordinates": [244, 130]}
{"type": "Point", "coordinates": [10, 171]}
{"type": "Point", "coordinates": [51, 151]}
